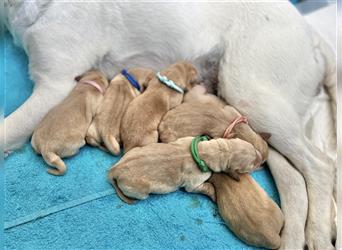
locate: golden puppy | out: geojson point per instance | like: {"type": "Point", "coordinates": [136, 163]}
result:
{"type": "Point", "coordinates": [139, 125]}
{"type": "Point", "coordinates": [244, 205]}
{"type": "Point", "coordinates": [163, 168]}
{"type": "Point", "coordinates": [104, 131]}
{"type": "Point", "coordinates": [248, 211]}
{"type": "Point", "coordinates": [206, 114]}
{"type": "Point", "coordinates": [62, 131]}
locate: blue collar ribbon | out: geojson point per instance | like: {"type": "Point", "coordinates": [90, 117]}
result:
{"type": "Point", "coordinates": [131, 79]}
{"type": "Point", "coordinates": [169, 83]}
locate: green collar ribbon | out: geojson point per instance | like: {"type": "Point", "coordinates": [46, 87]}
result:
{"type": "Point", "coordinates": [194, 152]}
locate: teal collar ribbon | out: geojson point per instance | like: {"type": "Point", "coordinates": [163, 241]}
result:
{"type": "Point", "coordinates": [171, 84]}
{"type": "Point", "coordinates": [194, 152]}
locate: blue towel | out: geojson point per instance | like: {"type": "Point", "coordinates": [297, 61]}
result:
{"type": "Point", "coordinates": [80, 210]}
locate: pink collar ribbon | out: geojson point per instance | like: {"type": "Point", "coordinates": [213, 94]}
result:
{"type": "Point", "coordinates": [94, 84]}
{"type": "Point", "coordinates": [228, 132]}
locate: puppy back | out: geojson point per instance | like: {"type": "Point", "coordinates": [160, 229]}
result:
{"type": "Point", "coordinates": [248, 211]}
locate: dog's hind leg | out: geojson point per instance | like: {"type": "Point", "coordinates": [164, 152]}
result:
{"type": "Point", "coordinates": [295, 207]}
{"type": "Point", "coordinates": [276, 96]}
{"type": "Point", "coordinates": [318, 172]}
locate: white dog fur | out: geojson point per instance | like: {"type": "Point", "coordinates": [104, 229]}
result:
{"type": "Point", "coordinates": [270, 65]}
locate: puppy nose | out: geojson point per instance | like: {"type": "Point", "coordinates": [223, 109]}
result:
{"type": "Point", "coordinates": [258, 160]}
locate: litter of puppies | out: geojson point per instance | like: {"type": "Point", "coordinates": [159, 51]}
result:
{"type": "Point", "coordinates": [174, 135]}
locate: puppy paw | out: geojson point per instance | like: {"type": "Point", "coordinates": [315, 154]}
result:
{"type": "Point", "coordinates": [112, 145]}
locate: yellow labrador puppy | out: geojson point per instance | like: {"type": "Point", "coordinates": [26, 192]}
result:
{"type": "Point", "coordinates": [165, 91]}
{"type": "Point", "coordinates": [104, 131]}
{"type": "Point", "coordinates": [203, 113]}
{"type": "Point", "coordinates": [161, 168]}
{"type": "Point", "coordinates": [244, 205]}
{"type": "Point", "coordinates": [248, 211]}
{"type": "Point", "coordinates": [62, 131]}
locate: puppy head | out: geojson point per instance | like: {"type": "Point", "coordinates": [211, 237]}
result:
{"type": "Point", "coordinates": [196, 93]}
{"type": "Point", "coordinates": [183, 73]}
{"type": "Point", "coordinates": [143, 76]}
{"type": "Point", "coordinates": [94, 75]}
{"type": "Point", "coordinates": [192, 74]}
{"type": "Point", "coordinates": [243, 157]}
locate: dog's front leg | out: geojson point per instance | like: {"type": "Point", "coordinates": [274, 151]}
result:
{"type": "Point", "coordinates": [21, 123]}
{"type": "Point", "coordinates": [55, 58]}
{"type": "Point", "coordinates": [289, 181]}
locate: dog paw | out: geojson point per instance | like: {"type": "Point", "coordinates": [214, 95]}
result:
{"type": "Point", "coordinates": [319, 245]}
{"type": "Point", "coordinates": [292, 239]}
{"type": "Point", "coordinates": [317, 239]}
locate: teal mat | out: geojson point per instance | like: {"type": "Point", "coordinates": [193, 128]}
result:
{"type": "Point", "coordinates": [80, 210]}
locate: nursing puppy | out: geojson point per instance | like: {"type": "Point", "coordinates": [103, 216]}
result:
{"type": "Point", "coordinates": [140, 123]}
{"type": "Point", "coordinates": [244, 206]}
{"type": "Point", "coordinates": [203, 113]}
{"type": "Point", "coordinates": [104, 131]}
{"type": "Point", "coordinates": [62, 131]}
{"type": "Point", "coordinates": [170, 166]}
{"type": "Point", "coordinates": [248, 211]}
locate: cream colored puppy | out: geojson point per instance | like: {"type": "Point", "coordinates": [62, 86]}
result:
{"type": "Point", "coordinates": [203, 113]}
{"type": "Point", "coordinates": [140, 123]}
{"type": "Point", "coordinates": [62, 131]}
{"type": "Point", "coordinates": [104, 131]}
{"type": "Point", "coordinates": [244, 206]}
{"type": "Point", "coordinates": [163, 168]}
{"type": "Point", "coordinates": [248, 211]}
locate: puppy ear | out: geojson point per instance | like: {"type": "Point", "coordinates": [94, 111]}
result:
{"type": "Point", "coordinates": [193, 76]}
{"type": "Point", "coordinates": [78, 78]}
{"type": "Point", "coordinates": [147, 80]}
{"type": "Point", "coordinates": [234, 175]}
{"type": "Point", "coordinates": [265, 135]}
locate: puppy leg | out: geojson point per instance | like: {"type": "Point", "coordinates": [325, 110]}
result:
{"type": "Point", "coordinates": [294, 202]}
{"type": "Point", "coordinates": [207, 189]}
{"type": "Point", "coordinates": [141, 141]}
{"type": "Point", "coordinates": [112, 144]}
{"type": "Point", "coordinates": [92, 137]}
{"type": "Point", "coordinates": [137, 190]}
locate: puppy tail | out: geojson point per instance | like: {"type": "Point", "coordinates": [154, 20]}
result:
{"type": "Point", "coordinates": [121, 195]}
{"type": "Point", "coordinates": [55, 161]}
{"type": "Point", "coordinates": [112, 144]}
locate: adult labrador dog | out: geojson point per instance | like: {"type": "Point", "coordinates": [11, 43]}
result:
{"type": "Point", "coordinates": [268, 61]}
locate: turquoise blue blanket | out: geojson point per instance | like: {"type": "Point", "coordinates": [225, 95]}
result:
{"type": "Point", "coordinates": [81, 211]}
